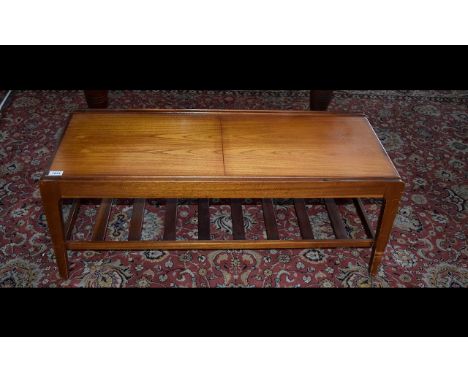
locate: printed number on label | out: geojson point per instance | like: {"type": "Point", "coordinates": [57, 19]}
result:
{"type": "Point", "coordinates": [55, 173]}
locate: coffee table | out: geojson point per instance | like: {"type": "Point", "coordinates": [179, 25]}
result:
{"type": "Point", "coordinates": [203, 154]}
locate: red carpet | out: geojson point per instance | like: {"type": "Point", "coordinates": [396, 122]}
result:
{"type": "Point", "coordinates": [423, 132]}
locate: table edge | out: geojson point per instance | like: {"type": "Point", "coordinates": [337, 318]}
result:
{"type": "Point", "coordinates": [229, 179]}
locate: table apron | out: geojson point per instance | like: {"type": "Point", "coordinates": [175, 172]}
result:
{"type": "Point", "coordinates": [221, 189]}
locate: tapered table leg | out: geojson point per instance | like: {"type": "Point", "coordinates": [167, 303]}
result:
{"type": "Point", "coordinates": [384, 226]}
{"type": "Point", "coordinates": [320, 99]}
{"type": "Point", "coordinates": [53, 209]}
{"type": "Point", "coordinates": [97, 99]}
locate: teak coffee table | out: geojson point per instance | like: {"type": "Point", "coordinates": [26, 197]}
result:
{"type": "Point", "coordinates": [202, 154]}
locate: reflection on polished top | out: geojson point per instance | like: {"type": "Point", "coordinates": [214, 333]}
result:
{"type": "Point", "coordinates": [220, 144]}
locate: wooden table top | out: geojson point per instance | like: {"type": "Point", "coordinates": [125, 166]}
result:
{"type": "Point", "coordinates": [221, 144]}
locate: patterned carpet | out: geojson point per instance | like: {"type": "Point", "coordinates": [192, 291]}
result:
{"type": "Point", "coordinates": [424, 132]}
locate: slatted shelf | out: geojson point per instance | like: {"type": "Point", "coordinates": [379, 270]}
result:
{"type": "Point", "coordinates": [203, 242]}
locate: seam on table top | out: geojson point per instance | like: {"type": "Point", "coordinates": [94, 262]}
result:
{"type": "Point", "coordinates": [222, 143]}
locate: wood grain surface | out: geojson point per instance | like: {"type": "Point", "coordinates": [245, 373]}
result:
{"type": "Point", "coordinates": [221, 144]}
{"type": "Point", "coordinates": [127, 144]}
{"type": "Point", "coordinates": [300, 145]}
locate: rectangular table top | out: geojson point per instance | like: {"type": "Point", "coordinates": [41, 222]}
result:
{"type": "Point", "coordinates": [220, 144]}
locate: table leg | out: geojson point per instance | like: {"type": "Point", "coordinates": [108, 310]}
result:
{"type": "Point", "coordinates": [384, 226]}
{"type": "Point", "coordinates": [320, 99]}
{"type": "Point", "coordinates": [97, 99]}
{"type": "Point", "coordinates": [53, 209]}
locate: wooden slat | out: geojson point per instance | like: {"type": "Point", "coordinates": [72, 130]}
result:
{"type": "Point", "coordinates": [303, 219]}
{"type": "Point", "coordinates": [72, 218]}
{"type": "Point", "coordinates": [364, 219]}
{"type": "Point", "coordinates": [136, 223]}
{"type": "Point", "coordinates": [238, 230]}
{"type": "Point", "coordinates": [204, 219]}
{"type": "Point", "coordinates": [170, 219]}
{"type": "Point", "coordinates": [102, 218]}
{"type": "Point", "coordinates": [270, 219]}
{"type": "Point", "coordinates": [335, 219]}
{"type": "Point", "coordinates": [218, 244]}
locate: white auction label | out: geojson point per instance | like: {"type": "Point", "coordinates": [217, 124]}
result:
{"type": "Point", "coordinates": [55, 173]}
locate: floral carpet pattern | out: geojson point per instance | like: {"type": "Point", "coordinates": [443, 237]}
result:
{"type": "Point", "coordinates": [424, 132]}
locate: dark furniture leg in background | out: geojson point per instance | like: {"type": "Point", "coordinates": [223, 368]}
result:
{"type": "Point", "coordinates": [96, 99]}
{"type": "Point", "coordinates": [320, 99]}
